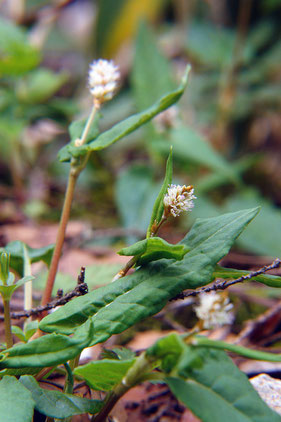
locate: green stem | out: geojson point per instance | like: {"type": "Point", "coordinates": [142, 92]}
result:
{"type": "Point", "coordinates": [88, 124]}
{"type": "Point", "coordinates": [7, 318]}
{"type": "Point", "coordinates": [77, 165]}
{"type": "Point", "coordinates": [240, 350]}
{"type": "Point", "coordinates": [138, 372]}
{"type": "Point", "coordinates": [60, 235]}
{"type": "Point", "coordinates": [68, 388]}
{"type": "Point", "coordinates": [28, 285]}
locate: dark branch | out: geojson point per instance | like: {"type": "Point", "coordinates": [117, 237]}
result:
{"type": "Point", "coordinates": [80, 290]}
{"type": "Point", "coordinates": [225, 284]}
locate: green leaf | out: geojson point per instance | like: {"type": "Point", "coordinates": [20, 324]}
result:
{"type": "Point", "coordinates": [135, 193]}
{"type": "Point", "coordinates": [121, 304]}
{"type": "Point", "coordinates": [40, 85]}
{"type": "Point", "coordinates": [132, 123]}
{"type": "Point", "coordinates": [230, 273]}
{"type": "Point", "coordinates": [174, 355]}
{"type": "Point", "coordinates": [104, 374]}
{"type": "Point", "coordinates": [158, 207]}
{"type": "Point", "coordinates": [212, 45]}
{"type": "Point", "coordinates": [16, 403]}
{"type": "Point", "coordinates": [169, 350]}
{"type": "Point", "coordinates": [30, 328]}
{"type": "Point", "coordinates": [20, 371]}
{"type": "Point", "coordinates": [240, 350]}
{"type": "Point", "coordinates": [118, 353]}
{"type": "Point", "coordinates": [16, 249]}
{"type": "Point", "coordinates": [224, 391]}
{"type": "Point", "coordinates": [263, 236]}
{"type": "Point", "coordinates": [56, 404]}
{"type": "Point", "coordinates": [154, 248]}
{"type": "Point", "coordinates": [49, 350]}
{"type": "Point", "coordinates": [191, 146]}
{"type": "Point", "coordinates": [17, 56]}
{"type": "Point", "coordinates": [7, 291]}
{"type": "Point", "coordinates": [147, 87]}
{"type": "Point", "coordinates": [17, 331]}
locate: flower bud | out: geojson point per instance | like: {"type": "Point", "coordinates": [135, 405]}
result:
{"type": "Point", "coordinates": [4, 267]}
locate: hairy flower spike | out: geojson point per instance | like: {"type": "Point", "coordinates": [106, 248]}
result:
{"type": "Point", "coordinates": [178, 199]}
{"type": "Point", "coordinates": [103, 80]}
{"type": "Point", "coordinates": [213, 310]}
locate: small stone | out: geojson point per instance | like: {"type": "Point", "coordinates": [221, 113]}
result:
{"type": "Point", "coordinates": [269, 390]}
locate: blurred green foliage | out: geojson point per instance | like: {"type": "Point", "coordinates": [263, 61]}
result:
{"type": "Point", "coordinates": [224, 131]}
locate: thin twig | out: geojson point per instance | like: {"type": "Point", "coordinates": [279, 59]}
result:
{"type": "Point", "coordinates": [225, 284]}
{"type": "Point", "coordinates": [80, 290]}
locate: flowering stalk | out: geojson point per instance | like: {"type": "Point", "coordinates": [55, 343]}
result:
{"type": "Point", "coordinates": [8, 329]}
{"type": "Point", "coordinates": [177, 199]}
{"type": "Point", "coordinates": [103, 77]}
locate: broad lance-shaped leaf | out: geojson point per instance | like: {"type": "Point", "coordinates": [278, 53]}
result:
{"type": "Point", "coordinates": [219, 391]}
{"type": "Point", "coordinates": [121, 304]}
{"type": "Point", "coordinates": [48, 350]}
{"type": "Point", "coordinates": [154, 248]}
{"type": "Point", "coordinates": [56, 404]}
{"type": "Point", "coordinates": [158, 207]}
{"type": "Point", "coordinates": [104, 374]}
{"type": "Point", "coordinates": [132, 123]}
{"type": "Point", "coordinates": [16, 403]}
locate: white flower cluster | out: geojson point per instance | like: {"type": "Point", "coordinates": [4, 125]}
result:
{"type": "Point", "coordinates": [178, 199]}
{"type": "Point", "coordinates": [103, 80]}
{"type": "Point", "coordinates": [213, 310]}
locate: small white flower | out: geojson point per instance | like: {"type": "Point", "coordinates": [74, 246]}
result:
{"type": "Point", "coordinates": [213, 310]}
{"type": "Point", "coordinates": [178, 199]}
{"type": "Point", "coordinates": [103, 80]}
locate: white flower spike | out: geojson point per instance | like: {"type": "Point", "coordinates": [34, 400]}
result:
{"type": "Point", "coordinates": [213, 310]}
{"type": "Point", "coordinates": [103, 80]}
{"type": "Point", "coordinates": [178, 199]}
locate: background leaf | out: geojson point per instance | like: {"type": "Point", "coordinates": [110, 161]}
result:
{"type": "Point", "coordinates": [190, 146]}
{"type": "Point", "coordinates": [148, 63]}
{"type": "Point", "coordinates": [16, 249]}
{"type": "Point", "coordinates": [17, 56]}
{"type": "Point", "coordinates": [135, 194]}
{"type": "Point", "coordinates": [118, 20]}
